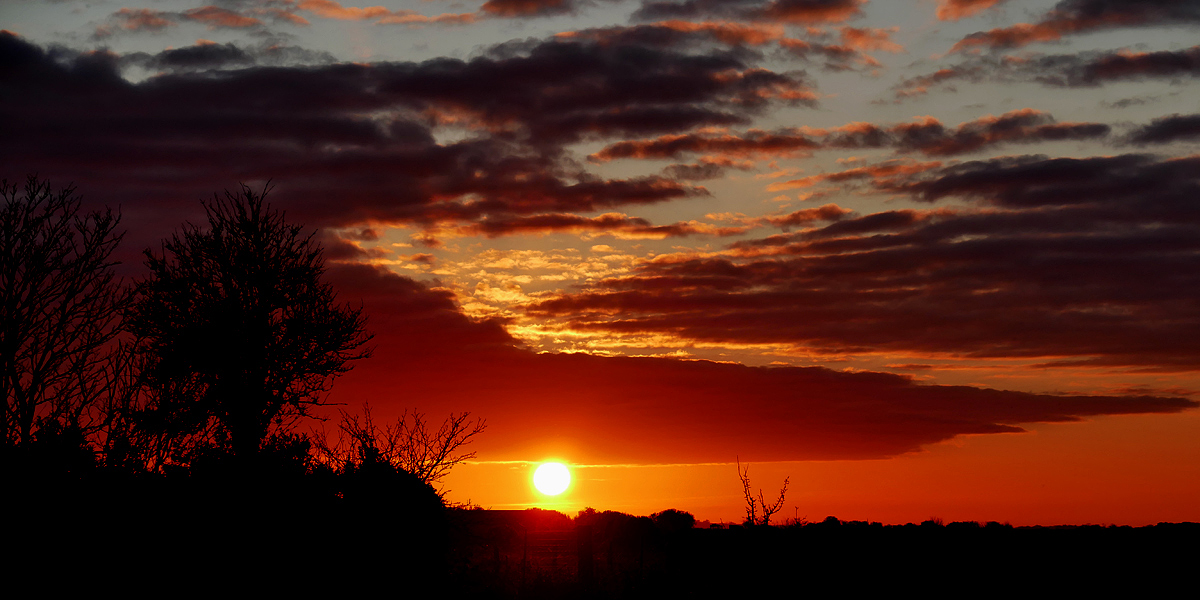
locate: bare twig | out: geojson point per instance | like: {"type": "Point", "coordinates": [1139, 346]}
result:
{"type": "Point", "coordinates": [407, 444]}
{"type": "Point", "coordinates": [758, 512]}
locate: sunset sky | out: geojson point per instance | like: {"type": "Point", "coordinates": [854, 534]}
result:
{"type": "Point", "coordinates": [928, 258]}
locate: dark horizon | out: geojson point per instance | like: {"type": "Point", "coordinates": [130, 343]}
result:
{"type": "Point", "coordinates": [925, 258]}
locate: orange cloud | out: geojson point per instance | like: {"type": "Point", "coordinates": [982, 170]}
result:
{"type": "Point", "coordinates": [216, 17]}
{"type": "Point", "coordinates": [527, 8]}
{"type": "Point", "coordinates": [828, 212]}
{"type": "Point", "coordinates": [287, 15]}
{"type": "Point", "coordinates": [730, 33]}
{"type": "Point", "coordinates": [135, 19]}
{"type": "Point", "coordinates": [874, 172]}
{"type": "Point", "coordinates": [869, 38]}
{"type": "Point", "coordinates": [953, 10]}
{"type": "Point", "coordinates": [1078, 16]}
{"type": "Point", "coordinates": [1016, 36]}
{"type": "Point", "coordinates": [830, 11]}
{"type": "Point", "coordinates": [413, 18]}
{"type": "Point", "coordinates": [332, 10]}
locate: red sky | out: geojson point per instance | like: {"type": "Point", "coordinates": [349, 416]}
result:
{"type": "Point", "coordinates": [927, 258]}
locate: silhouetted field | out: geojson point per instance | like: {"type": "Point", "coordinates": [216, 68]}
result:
{"type": "Point", "coordinates": [349, 539]}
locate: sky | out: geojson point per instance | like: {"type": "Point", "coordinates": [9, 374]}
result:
{"type": "Point", "coordinates": [923, 258]}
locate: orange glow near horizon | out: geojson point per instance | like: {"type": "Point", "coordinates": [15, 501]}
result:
{"type": "Point", "coordinates": [1126, 470]}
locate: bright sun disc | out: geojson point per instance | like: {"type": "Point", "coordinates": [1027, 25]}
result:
{"type": "Point", "coordinates": [551, 479]}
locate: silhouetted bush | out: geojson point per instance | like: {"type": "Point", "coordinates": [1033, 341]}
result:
{"type": "Point", "coordinates": [673, 521]}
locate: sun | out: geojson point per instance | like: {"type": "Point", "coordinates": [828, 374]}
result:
{"type": "Point", "coordinates": [551, 478]}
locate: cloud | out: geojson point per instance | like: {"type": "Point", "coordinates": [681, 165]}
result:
{"type": "Point", "coordinates": [927, 135]}
{"type": "Point", "coordinates": [616, 224]}
{"type": "Point", "coordinates": [784, 143]}
{"type": "Point", "coordinates": [659, 409]}
{"type": "Point", "coordinates": [500, 9]}
{"type": "Point", "coordinates": [866, 38]}
{"type": "Point", "coordinates": [808, 216]}
{"type": "Point", "coordinates": [1084, 262]}
{"type": "Point", "coordinates": [532, 8]}
{"type": "Point", "coordinates": [134, 20]}
{"type": "Point", "coordinates": [1130, 65]}
{"type": "Point", "coordinates": [847, 55]}
{"type": "Point", "coordinates": [1086, 69]}
{"type": "Point", "coordinates": [1168, 129]}
{"type": "Point", "coordinates": [1070, 17]}
{"type": "Point", "coordinates": [334, 10]}
{"type": "Point", "coordinates": [155, 21]}
{"type": "Point", "coordinates": [676, 33]}
{"type": "Point", "coordinates": [156, 145]}
{"type": "Point", "coordinates": [198, 57]}
{"type": "Point", "coordinates": [206, 55]}
{"type": "Point", "coordinates": [878, 174]}
{"type": "Point", "coordinates": [1024, 126]}
{"type": "Point", "coordinates": [787, 11]}
{"type": "Point", "coordinates": [217, 18]}
{"type": "Point", "coordinates": [953, 10]}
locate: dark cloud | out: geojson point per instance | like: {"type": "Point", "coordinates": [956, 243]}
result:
{"type": "Point", "coordinates": [706, 168]}
{"type": "Point", "coordinates": [1127, 102]}
{"type": "Point", "coordinates": [682, 34]}
{"type": "Point", "coordinates": [616, 224]}
{"type": "Point", "coordinates": [789, 142]}
{"type": "Point", "coordinates": [534, 8]}
{"type": "Point", "coordinates": [791, 11]}
{"type": "Point", "coordinates": [198, 57]}
{"type": "Point", "coordinates": [1168, 129]}
{"type": "Point", "coordinates": [1075, 261]}
{"type": "Point", "coordinates": [1094, 69]}
{"type": "Point", "coordinates": [429, 355]}
{"type": "Point", "coordinates": [1125, 181]}
{"type": "Point", "coordinates": [352, 143]}
{"type": "Point", "coordinates": [1070, 17]}
{"type": "Point", "coordinates": [1086, 69]}
{"type": "Point", "coordinates": [850, 53]}
{"type": "Point", "coordinates": [927, 135]}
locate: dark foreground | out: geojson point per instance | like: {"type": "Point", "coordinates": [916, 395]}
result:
{"type": "Point", "coordinates": [609, 555]}
{"type": "Point", "coordinates": [193, 540]}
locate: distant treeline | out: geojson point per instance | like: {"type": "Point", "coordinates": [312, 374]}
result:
{"type": "Point", "coordinates": [609, 554]}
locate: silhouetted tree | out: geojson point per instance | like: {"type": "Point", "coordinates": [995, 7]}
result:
{"type": "Point", "coordinates": [408, 444]}
{"type": "Point", "coordinates": [758, 512]}
{"type": "Point", "coordinates": [238, 332]}
{"type": "Point", "coordinates": [60, 306]}
{"type": "Point", "coordinates": [673, 520]}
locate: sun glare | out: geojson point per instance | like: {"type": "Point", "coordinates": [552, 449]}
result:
{"type": "Point", "coordinates": [551, 479]}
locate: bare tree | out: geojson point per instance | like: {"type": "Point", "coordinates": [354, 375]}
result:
{"type": "Point", "coordinates": [407, 444]}
{"type": "Point", "coordinates": [758, 512]}
{"type": "Point", "coordinates": [60, 307]}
